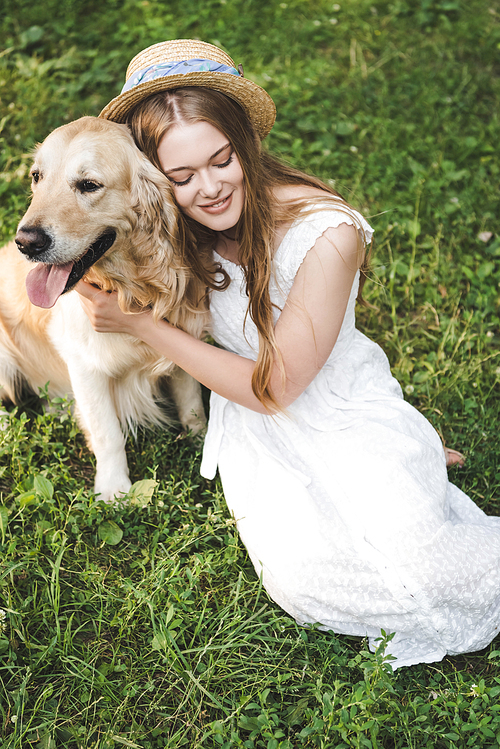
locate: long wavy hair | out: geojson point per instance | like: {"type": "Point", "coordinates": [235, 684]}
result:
{"type": "Point", "coordinates": [261, 214]}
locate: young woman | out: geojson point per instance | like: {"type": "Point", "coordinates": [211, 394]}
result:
{"type": "Point", "coordinates": [339, 487]}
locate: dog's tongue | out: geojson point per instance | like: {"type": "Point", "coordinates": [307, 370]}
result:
{"type": "Point", "coordinates": [46, 283]}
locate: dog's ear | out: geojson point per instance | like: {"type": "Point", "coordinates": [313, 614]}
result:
{"type": "Point", "coordinates": [159, 265]}
{"type": "Point", "coordinates": [152, 198]}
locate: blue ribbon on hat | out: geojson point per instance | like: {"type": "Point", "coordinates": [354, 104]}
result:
{"type": "Point", "coordinates": [182, 67]}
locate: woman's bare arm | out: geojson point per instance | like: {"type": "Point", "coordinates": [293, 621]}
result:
{"type": "Point", "coordinates": [306, 331]}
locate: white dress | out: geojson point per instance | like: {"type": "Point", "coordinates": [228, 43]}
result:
{"type": "Point", "coordinates": [344, 505]}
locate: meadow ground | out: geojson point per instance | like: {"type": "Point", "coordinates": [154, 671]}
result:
{"type": "Point", "coordinates": [147, 626]}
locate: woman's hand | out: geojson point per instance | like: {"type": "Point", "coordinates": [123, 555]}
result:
{"type": "Point", "coordinates": [101, 307]}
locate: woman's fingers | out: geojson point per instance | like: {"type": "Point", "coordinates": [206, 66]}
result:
{"type": "Point", "coordinates": [87, 290]}
{"type": "Point", "coordinates": [101, 308]}
{"type": "Point", "coordinates": [104, 313]}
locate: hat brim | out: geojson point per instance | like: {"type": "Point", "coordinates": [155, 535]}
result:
{"type": "Point", "coordinates": [256, 102]}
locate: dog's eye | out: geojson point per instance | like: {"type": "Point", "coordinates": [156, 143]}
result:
{"type": "Point", "coordinates": [35, 176]}
{"type": "Point", "coordinates": [86, 185]}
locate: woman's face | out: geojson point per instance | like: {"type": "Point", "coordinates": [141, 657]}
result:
{"type": "Point", "coordinates": [205, 174]}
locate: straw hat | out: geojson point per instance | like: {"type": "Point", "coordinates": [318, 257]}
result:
{"type": "Point", "coordinates": [187, 62]}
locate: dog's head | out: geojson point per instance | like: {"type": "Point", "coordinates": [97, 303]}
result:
{"type": "Point", "coordinates": [92, 188]}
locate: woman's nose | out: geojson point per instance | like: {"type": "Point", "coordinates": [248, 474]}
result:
{"type": "Point", "coordinates": [210, 185]}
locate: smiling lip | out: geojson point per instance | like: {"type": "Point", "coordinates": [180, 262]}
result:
{"type": "Point", "coordinates": [218, 206]}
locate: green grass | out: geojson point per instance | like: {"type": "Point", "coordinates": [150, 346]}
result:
{"type": "Point", "coordinates": [147, 626]}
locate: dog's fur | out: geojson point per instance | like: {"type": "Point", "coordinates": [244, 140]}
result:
{"type": "Point", "coordinates": [91, 179]}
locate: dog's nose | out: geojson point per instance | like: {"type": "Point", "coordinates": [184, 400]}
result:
{"type": "Point", "coordinates": [32, 241]}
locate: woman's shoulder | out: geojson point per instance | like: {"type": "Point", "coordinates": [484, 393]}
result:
{"type": "Point", "coordinates": [295, 202]}
{"type": "Point", "coordinates": [305, 206]}
{"type": "Point", "coordinates": [296, 193]}
{"type": "Point", "coordinates": [317, 214]}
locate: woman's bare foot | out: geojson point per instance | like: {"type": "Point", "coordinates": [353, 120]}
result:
{"type": "Point", "coordinates": [453, 457]}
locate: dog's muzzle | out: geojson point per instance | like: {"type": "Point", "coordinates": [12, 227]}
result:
{"type": "Point", "coordinates": [47, 281]}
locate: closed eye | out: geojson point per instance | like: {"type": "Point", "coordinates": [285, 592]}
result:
{"type": "Point", "coordinates": [226, 163]}
{"type": "Point", "coordinates": [188, 180]}
{"type": "Point", "coordinates": [179, 184]}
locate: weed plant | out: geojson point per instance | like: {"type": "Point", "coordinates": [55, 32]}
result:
{"type": "Point", "coordinates": [146, 626]}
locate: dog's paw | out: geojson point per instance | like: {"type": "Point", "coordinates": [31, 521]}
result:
{"type": "Point", "coordinates": [112, 490]}
{"type": "Point", "coordinates": [195, 424]}
{"type": "Point", "coordinates": [4, 420]}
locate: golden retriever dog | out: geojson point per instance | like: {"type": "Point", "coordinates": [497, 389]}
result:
{"type": "Point", "coordinates": [102, 211]}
